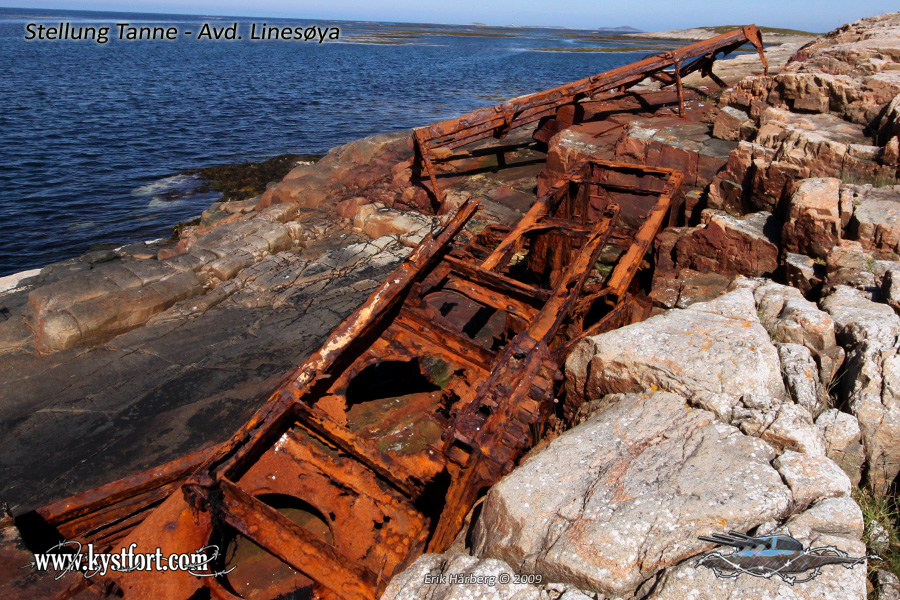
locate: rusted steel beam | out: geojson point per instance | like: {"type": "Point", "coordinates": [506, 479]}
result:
{"type": "Point", "coordinates": [543, 206]}
{"type": "Point", "coordinates": [680, 88]}
{"type": "Point", "coordinates": [498, 281]}
{"type": "Point", "coordinates": [754, 36]}
{"type": "Point", "coordinates": [385, 296]}
{"type": "Point", "coordinates": [615, 318]}
{"type": "Point", "coordinates": [547, 322]}
{"type": "Point", "coordinates": [464, 349]}
{"type": "Point", "coordinates": [441, 155]}
{"type": "Point", "coordinates": [363, 450]}
{"type": "Point", "coordinates": [482, 295]}
{"type": "Point", "coordinates": [497, 120]}
{"type": "Point", "coordinates": [497, 116]}
{"type": "Point", "coordinates": [109, 523]}
{"type": "Point", "coordinates": [626, 269]}
{"type": "Point", "coordinates": [242, 445]}
{"type": "Point", "coordinates": [493, 440]}
{"type": "Point", "coordinates": [585, 110]}
{"type": "Point", "coordinates": [378, 304]}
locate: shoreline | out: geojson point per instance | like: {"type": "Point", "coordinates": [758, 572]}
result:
{"type": "Point", "coordinates": [771, 36]}
{"type": "Point", "coordinates": [248, 180]}
{"type": "Point", "coordinates": [233, 178]}
{"type": "Point", "coordinates": [234, 181]}
{"type": "Point", "coordinates": [758, 300]}
{"type": "Point", "coordinates": [9, 282]}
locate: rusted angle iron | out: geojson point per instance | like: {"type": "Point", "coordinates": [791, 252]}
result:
{"type": "Point", "coordinates": [434, 143]}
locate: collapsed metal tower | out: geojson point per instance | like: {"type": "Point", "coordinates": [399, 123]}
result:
{"type": "Point", "coordinates": [376, 449]}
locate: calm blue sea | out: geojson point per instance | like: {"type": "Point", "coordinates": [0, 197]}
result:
{"type": "Point", "coordinates": [91, 135]}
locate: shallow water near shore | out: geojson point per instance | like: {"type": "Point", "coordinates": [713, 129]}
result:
{"type": "Point", "coordinates": [91, 134]}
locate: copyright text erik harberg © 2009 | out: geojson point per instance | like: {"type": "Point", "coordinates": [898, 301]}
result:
{"type": "Point", "coordinates": [102, 34]}
{"type": "Point", "coordinates": [488, 580]}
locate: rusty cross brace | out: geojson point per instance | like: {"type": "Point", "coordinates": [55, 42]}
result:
{"type": "Point", "coordinates": [496, 439]}
{"type": "Point", "coordinates": [423, 154]}
{"type": "Point", "coordinates": [675, 76]}
{"type": "Point", "coordinates": [294, 545]}
{"type": "Point", "coordinates": [681, 111]}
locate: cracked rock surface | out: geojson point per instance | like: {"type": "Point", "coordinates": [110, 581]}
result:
{"type": "Point", "coordinates": [642, 479]}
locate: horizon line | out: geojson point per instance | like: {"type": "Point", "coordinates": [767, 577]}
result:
{"type": "Point", "coordinates": [345, 20]}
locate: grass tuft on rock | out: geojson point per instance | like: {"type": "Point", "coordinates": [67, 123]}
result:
{"type": "Point", "coordinates": [882, 528]}
{"type": "Point", "coordinates": [876, 181]}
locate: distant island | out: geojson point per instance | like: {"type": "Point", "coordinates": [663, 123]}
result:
{"type": "Point", "coordinates": [623, 29]}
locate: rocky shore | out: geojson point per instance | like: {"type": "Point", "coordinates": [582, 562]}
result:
{"type": "Point", "coordinates": [771, 35]}
{"type": "Point", "coordinates": [762, 396]}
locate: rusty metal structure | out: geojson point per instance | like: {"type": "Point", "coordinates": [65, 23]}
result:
{"type": "Point", "coordinates": [440, 142]}
{"type": "Point", "coordinates": [377, 448]}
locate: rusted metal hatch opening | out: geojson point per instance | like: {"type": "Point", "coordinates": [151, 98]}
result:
{"type": "Point", "coordinates": [375, 450]}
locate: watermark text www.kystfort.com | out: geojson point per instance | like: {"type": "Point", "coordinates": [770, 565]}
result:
{"type": "Point", "coordinates": [74, 557]}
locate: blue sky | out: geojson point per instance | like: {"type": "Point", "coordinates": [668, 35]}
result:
{"type": "Point", "coordinates": [651, 15]}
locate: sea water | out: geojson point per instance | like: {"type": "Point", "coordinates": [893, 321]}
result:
{"type": "Point", "coordinates": [93, 135]}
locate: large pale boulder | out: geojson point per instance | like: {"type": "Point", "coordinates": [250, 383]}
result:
{"type": "Point", "coordinates": [843, 442]}
{"type": "Point", "coordinates": [785, 426]}
{"type": "Point", "coordinates": [887, 585]}
{"type": "Point", "coordinates": [801, 375]}
{"type": "Point", "coordinates": [858, 319]}
{"type": "Point", "coordinates": [876, 220]}
{"type": "Point", "coordinates": [812, 477]}
{"type": "Point", "coordinates": [791, 319]}
{"type": "Point", "coordinates": [625, 494]}
{"type": "Point", "coordinates": [716, 354]}
{"type": "Point", "coordinates": [890, 288]}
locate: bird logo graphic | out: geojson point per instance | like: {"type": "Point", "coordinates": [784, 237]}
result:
{"type": "Point", "coordinates": [770, 556]}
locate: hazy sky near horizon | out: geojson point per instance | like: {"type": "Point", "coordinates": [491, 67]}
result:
{"type": "Point", "coordinates": [650, 15]}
